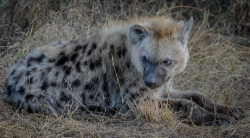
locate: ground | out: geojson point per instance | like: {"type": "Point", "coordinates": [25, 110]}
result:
{"type": "Point", "coordinates": [218, 67]}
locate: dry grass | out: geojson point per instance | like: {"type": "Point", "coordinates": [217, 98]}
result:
{"type": "Point", "coordinates": [219, 66]}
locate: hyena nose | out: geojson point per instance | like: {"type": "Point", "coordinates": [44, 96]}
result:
{"type": "Point", "coordinates": [150, 83]}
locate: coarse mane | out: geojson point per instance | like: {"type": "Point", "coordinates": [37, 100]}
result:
{"type": "Point", "coordinates": [161, 26]}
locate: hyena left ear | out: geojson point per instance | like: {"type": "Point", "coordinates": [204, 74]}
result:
{"type": "Point", "coordinates": [185, 31]}
{"type": "Point", "coordinates": [137, 34]}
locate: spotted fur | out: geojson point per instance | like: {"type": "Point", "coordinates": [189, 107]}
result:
{"type": "Point", "coordinates": [144, 53]}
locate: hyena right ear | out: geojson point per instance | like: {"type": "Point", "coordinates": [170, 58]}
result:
{"type": "Point", "coordinates": [185, 31]}
{"type": "Point", "coordinates": [137, 34]}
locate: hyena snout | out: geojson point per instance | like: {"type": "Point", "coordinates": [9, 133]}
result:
{"type": "Point", "coordinates": [152, 77]}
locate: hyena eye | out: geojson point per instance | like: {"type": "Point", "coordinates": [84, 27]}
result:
{"type": "Point", "coordinates": [167, 61]}
{"type": "Point", "coordinates": [144, 59]}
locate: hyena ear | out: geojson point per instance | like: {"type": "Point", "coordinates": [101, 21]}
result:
{"type": "Point", "coordinates": [185, 31]}
{"type": "Point", "coordinates": [137, 34]}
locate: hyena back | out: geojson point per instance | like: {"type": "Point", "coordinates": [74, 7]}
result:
{"type": "Point", "coordinates": [144, 53]}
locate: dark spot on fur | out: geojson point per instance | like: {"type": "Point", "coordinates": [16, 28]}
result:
{"type": "Point", "coordinates": [98, 62]}
{"type": "Point", "coordinates": [85, 63]}
{"type": "Point", "coordinates": [18, 104]}
{"type": "Point", "coordinates": [77, 48]}
{"type": "Point", "coordinates": [34, 69]}
{"type": "Point", "coordinates": [107, 101]}
{"type": "Point", "coordinates": [124, 51]}
{"type": "Point", "coordinates": [119, 53]}
{"type": "Point", "coordinates": [27, 73]}
{"type": "Point", "coordinates": [29, 110]}
{"type": "Point", "coordinates": [21, 90]}
{"type": "Point", "coordinates": [78, 66]}
{"type": "Point", "coordinates": [91, 65]}
{"type": "Point", "coordinates": [128, 65]}
{"type": "Point", "coordinates": [64, 83]}
{"type": "Point", "coordinates": [105, 83]}
{"type": "Point", "coordinates": [48, 69]}
{"type": "Point", "coordinates": [40, 58]}
{"type": "Point", "coordinates": [43, 75]}
{"type": "Point", "coordinates": [84, 48]}
{"type": "Point", "coordinates": [127, 91]}
{"type": "Point", "coordinates": [118, 71]}
{"type": "Point", "coordinates": [96, 108]}
{"type": "Point", "coordinates": [9, 90]}
{"type": "Point", "coordinates": [92, 48]}
{"type": "Point", "coordinates": [73, 57]}
{"type": "Point", "coordinates": [111, 52]}
{"type": "Point", "coordinates": [62, 53]}
{"type": "Point", "coordinates": [29, 80]}
{"type": "Point", "coordinates": [83, 97]}
{"type": "Point", "coordinates": [29, 97]}
{"type": "Point", "coordinates": [36, 59]}
{"type": "Point", "coordinates": [56, 74]}
{"type": "Point", "coordinates": [16, 82]}
{"type": "Point", "coordinates": [95, 80]}
{"type": "Point", "coordinates": [45, 85]}
{"type": "Point", "coordinates": [12, 72]}
{"type": "Point", "coordinates": [19, 76]}
{"type": "Point", "coordinates": [90, 51]}
{"type": "Point", "coordinates": [40, 97]}
{"type": "Point", "coordinates": [62, 61]}
{"type": "Point", "coordinates": [64, 97]}
{"type": "Point", "coordinates": [122, 81]}
{"type": "Point", "coordinates": [112, 48]}
{"type": "Point", "coordinates": [67, 70]}
{"type": "Point", "coordinates": [53, 84]}
{"type": "Point", "coordinates": [76, 83]}
{"type": "Point", "coordinates": [58, 105]}
{"type": "Point", "coordinates": [104, 47]}
{"type": "Point", "coordinates": [89, 87]}
{"type": "Point", "coordinates": [91, 97]}
{"type": "Point", "coordinates": [51, 60]}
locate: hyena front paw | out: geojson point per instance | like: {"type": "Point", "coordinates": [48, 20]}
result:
{"type": "Point", "coordinates": [236, 113]}
{"type": "Point", "coordinates": [218, 120]}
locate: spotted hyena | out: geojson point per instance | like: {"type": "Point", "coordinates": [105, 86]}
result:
{"type": "Point", "coordinates": [127, 60]}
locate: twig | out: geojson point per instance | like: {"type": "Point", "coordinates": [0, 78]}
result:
{"type": "Point", "coordinates": [118, 82]}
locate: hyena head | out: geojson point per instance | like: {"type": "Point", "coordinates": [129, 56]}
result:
{"type": "Point", "coordinates": [159, 49]}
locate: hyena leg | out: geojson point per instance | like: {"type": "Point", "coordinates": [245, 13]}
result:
{"type": "Point", "coordinates": [186, 109]}
{"type": "Point", "coordinates": [37, 104]}
{"type": "Point", "coordinates": [204, 102]}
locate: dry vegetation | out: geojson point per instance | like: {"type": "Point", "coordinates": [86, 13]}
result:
{"type": "Point", "coordinates": [219, 64]}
